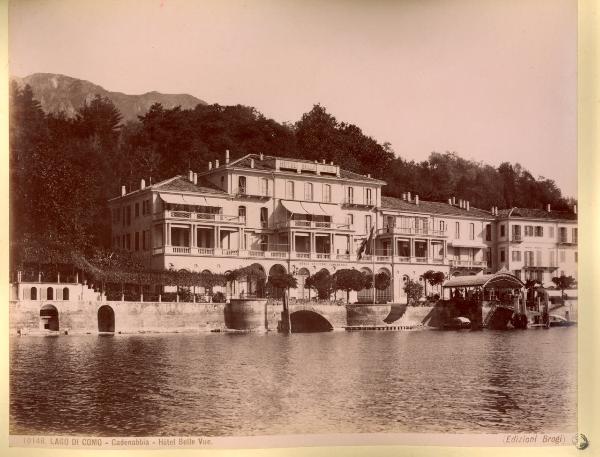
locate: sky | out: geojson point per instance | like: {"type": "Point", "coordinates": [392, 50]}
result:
{"type": "Point", "coordinates": [491, 80]}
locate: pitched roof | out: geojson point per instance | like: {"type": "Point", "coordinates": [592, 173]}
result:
{"type": "Point", "coordinates": [181, 184]}
{"type": "Point", "coordinates": [533, 213]}
{"type": "Point", "coordinates": [429, 207]}
{"type": "Point", "coordinates": [268, 163]}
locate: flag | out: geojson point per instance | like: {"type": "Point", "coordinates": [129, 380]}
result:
{"type": "Point", "coordinates": [365, 244]}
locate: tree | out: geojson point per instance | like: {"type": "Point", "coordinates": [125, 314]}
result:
{"type": "Point", "coordinates": [284, 281]}
{"type": "Point", "coordinates": [321, 281]}
{"type": "Point", "coordinates": [427, 277]}
{"type": "Point", "coordinates": [413, 290]}
{"type": "Point", "coordinates": [382, 281]}
{"type": "Point", "coordinates": [349, 279]}
{"type": "Point", "coordinates": [437, 278]}
{"type": "Point", "coordinates": [563, 282]}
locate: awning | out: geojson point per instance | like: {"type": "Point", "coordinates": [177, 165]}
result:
{"type": "Point", "coordinates": [466, 244]}
{"type": "Point", "coordinates": [293, 207]}
{"type": "Point", "coordinates": [197, 200]}
{"type": "Point", "coordinates": [313, 208]}
{"type": "Point", "coordinates": [175, 199]}
{"type": "Point", "coordinates": [500, 280]}
{"type": "Point", "coordinates": [332, 210]}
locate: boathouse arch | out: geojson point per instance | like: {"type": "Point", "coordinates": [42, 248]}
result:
{"type": "Point", "coordinates": [49, 318]}
{"type": "Point", "coordinates": [106, 319]}
{"type": "Point", "coordinates": [306, 321]}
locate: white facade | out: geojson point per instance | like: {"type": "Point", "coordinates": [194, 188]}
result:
{"type": "Point", "coordinates": [301, 217]}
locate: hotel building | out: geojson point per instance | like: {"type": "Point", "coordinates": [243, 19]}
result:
{"type": "Point", "coordinates": [299, 217]}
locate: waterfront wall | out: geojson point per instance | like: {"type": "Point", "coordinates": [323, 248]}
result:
{"type": "Point", "coordinates": [84, 316]}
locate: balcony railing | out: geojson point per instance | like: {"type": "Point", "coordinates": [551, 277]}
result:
{"type": "Point", "coordinates": [313, 225]}
{"type": "Point", "coordinates": [299, 255]}
{"type": "Point", "coordinates": [263, 195]}
{"type": "Point", "coordinates": [205, 217]}
{"type": "Point", "coordinates": [411, 231]}
{"type": "Point", "coordinates": [469, 263]}
{"type": "Point", "coordinates": [353, 202]}
{"type": "Point", "coordinates": [565, 240]}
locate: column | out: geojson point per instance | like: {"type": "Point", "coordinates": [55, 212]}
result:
{"type": "Point", "coordinates": [331, 249]}
{"type": "Point", "coordinates": [428, 249]}
{"type": "Point", "coordinates": [412, 247]}
{"type": "Point", "coordinates": [168, 235]}
{"type": "Point", "coordinates": [193, 241]}
{"type": "Point", "coordinates": [312, 243]}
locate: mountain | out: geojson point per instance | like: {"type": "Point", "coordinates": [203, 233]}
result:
{"type": "Point", "coordinates": [63, 93]}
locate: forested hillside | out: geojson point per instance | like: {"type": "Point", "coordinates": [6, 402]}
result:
{"type": "Point", "coordinates": [64, 169]}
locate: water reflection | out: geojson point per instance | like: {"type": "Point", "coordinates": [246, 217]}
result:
{"type": "Point", "coordinates": [256, 384]}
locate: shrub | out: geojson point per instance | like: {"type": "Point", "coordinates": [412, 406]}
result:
{"type": "Point", "coordinates": [218, 297]}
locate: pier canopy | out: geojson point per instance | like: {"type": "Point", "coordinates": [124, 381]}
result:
{"type": "Point", "coordinates": [497, 280]}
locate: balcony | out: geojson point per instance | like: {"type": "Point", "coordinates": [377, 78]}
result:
{"type": "Point", "coordinates": [351, 203]}
{"type": "Point", "coordinates": [318, 225]}
{"type": "Point", "coordinates": [468, 263]}
{"type": "Point", "coordinates": [565, 241]}
{"type": "Point", "coordinates": [411, 231]}
{"type": "Point", "coordinates": [540, 266]}
{"type": "Point", "coordinates": [203, 217]}
{"type": "Point", "coordinates": [245, 194]}
{"type": "Point", "coordinates": [300, 255]}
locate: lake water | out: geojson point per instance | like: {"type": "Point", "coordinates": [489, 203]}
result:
{"type": "Point", "coordinates": [264, 384]}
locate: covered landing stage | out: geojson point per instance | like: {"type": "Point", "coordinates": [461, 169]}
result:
{"type": "Point", "coordinates": [501, 291]}
{"type": "Point", "coordinates": [496, 281]}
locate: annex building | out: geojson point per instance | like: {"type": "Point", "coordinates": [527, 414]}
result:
{"type": "Point", "coordinates": [299, 217]}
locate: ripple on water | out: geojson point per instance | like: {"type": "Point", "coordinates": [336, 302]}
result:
{"type": "Point", "coordinates": [303, 383]}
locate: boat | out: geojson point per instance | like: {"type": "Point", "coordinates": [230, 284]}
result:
{"type": "Point", "coordinates": [559, 321]}
{"type": "Point", "coordinates": [458, 323]}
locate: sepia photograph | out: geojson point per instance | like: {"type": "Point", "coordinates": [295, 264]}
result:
{"type": "Point", "coordinates": [293, 223]}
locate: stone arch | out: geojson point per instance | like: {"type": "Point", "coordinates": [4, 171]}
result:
{"type": "Point", "coordinates": [106, 319]}
{"type": "Point", "coordinates": [49, 293]}
{"type": "Point", "coordinates": [387, 294]}
{"type": "Point", "coordinates": [49, 318]}
{"type": "Point", "coordinates": [301, 275]}
{"type": "Point", "coordinates": [65, 293]}
{"type": "Point", "coordinates": [254, 287]}
{"type": "Point", "coordinates": [366, 295]}
{"type": "Point", "coordinates": [33, 293]}
{"type": "Point", "coordinates": [306, 321]}
{"type": "Point", "coordinates": [276, 269]}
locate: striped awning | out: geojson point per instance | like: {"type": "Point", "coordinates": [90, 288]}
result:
{"type": "Point", "coordinates": [179, 199]}
{"type": "Point", "coordinates": [293, 207]}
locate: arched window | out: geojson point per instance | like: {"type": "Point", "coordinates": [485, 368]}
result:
{"type": "Point", "coordinates": [49, 293]}
{"type": "Point", "coordinates": [242, 185]}
{"type": "Point", "coordinates": [289, 190]}
{"type": "Point", "coordinates": [308, 191]}
{"type": "Point", "coordinates": [34, 293]}
{"type": "Point", "coordinates": [66, 293]}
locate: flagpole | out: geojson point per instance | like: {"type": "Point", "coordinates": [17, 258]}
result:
{"type": "Point", "coordinates": [373, 259]}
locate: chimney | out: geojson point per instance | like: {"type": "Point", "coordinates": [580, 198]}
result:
{"type": "Point", "coordinates": [323, 160]}
{"type": "Point", "coordinates": [468, 205]}
{"type": "Point", "coordinates": [190, 176]}
{"type": "Point", "coordinates": [548, 207]}
{"type": "Point", "coordinates": [331, 163]}
{"type": "Point", "coordinates": [216, 163]}
{"type": "Point", "coordinates": [262, 156]}
{"type": "Point", "coordinates": [142, 184]}
{"type": "Point", "coordinates": [460, 202]}
{"type": "Point", "coordinates": [449, 201]}
{"type": "Point", "coordinates": [408, 196]}
{"type": "Point", "coordinates": [454, 200]}
{"type": "Point", "coordinates": [574, 209]}
{"type": "Point", "coordinates": [368, 175]}
{"type": "Point", "coordinates": [251, 163]}
{"type": "Point", "coordinates": [123, 190]}
{"type": "Point", "coordinates": [195, 178]}
{"type": "Point", "coordinates": [416, 199]}
{"type": "Point", "coordinates": [210, 165]}
{"type": "Point", "coordinates": [226, 156]}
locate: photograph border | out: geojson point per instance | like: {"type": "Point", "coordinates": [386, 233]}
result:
{"type": "Point", "coordinates": [588, 200]}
